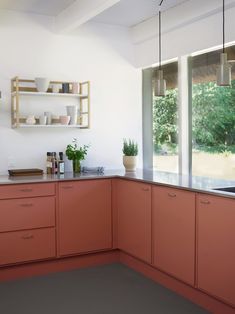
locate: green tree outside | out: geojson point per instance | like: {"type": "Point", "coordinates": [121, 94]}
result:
{"type": "Point", "coordinates": [213, 119]}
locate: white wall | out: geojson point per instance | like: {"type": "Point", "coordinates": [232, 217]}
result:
{"type": "Point", "coordinates": [99, 53]}
{"type": "Point", "coordinates": [190, 27]}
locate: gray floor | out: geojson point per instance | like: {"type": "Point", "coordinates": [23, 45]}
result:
{"type": "Point", "coordinates": [110, 289]}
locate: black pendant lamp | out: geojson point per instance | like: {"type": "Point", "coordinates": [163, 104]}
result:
{"type": "Point", "coordinates": [160, 83]}
{"type": "Point", "coordinates": [224, 69]}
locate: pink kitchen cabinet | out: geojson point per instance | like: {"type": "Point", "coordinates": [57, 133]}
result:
{"type": "Point", "coordinates": [27, 245]}
{"type": "Point", "coordinates": [27, 223]}
{"type": "Point", "coordinates": [27, 213]}
{"type": "Point", "coordinates": [174, 232]}
{"type": "Point", "coordinates": [216, 246]}
{"type": "Point", "coordinates": [26, 190]}
{"type": "Point", "coordinates": [85, 216]}
{"type": "Point", "coordinates": [133, 203]}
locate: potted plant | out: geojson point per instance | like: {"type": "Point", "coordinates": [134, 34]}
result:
{"type": "Point", "coordinates": [76, 154]}
{"type": "Point", "coordinates": [130, 151]}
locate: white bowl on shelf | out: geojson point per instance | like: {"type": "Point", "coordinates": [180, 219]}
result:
{"type": "Point", "coordinates": [42, 84]}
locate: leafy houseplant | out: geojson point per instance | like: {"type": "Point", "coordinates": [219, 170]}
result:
{"type": "Point", "coordinates": [130, 151]}
{"type": "Point", "coordinates": [130, 148]}
{"type": "Point", "coordinates": [76, 154]}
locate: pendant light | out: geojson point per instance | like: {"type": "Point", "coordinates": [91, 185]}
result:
{"type": "Point", "coordinates": [160, 83]}
{"type": "Point", "coordinates": [224, 69]}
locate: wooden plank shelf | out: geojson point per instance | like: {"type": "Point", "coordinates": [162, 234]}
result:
{"type": "Point", "coordinates": [49, 94]}
{"type": "Point", "coordinates": [25, 87]}
{"type": "Point", "coordinates": [51, 126]}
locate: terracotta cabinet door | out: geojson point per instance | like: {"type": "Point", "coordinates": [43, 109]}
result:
{"type": "Point", "coordinates": [216, 246]}
{"type": "Point", "coordinates": [27, 245]}
{"type": "Point", "coordinates": [134, 218]}
{"type": "Point", "coordinates": [174, 232]}
{"type": "Point", "coordinates": [84, 216]}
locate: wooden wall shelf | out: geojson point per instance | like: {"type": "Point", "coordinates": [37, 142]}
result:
{"type": "Point", "coordinates": [23, 87]}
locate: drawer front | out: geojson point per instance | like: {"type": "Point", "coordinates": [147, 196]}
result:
{"type": "Point", "coordinates": [22, 246]}
{"type": "Point", "coordinates": [30, 213]}
{"type": "Point", "coordinates": [26, 190]}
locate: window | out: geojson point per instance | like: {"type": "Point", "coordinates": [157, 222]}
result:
{"type": "Point", "coordinates": [213, 119]}
{"type": "Point", "coordinates": [207, 130]}
{"type": "Point", "coordinates": [165, 123]}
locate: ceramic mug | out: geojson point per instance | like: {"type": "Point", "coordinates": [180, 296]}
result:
{"type": "Point", "coordinates": [55, 88]}
{"type": "Point", "coordinates": [64, 120]}
{"type": "Point", "coordinates": [75, 88]}
{"type": "Point", "coordinates": [31, 120]}
{"type": "Point", "coordinates": [65, 88]}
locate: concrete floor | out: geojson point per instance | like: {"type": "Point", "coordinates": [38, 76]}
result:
{"type": "Point", "coordinates": [109, 289]}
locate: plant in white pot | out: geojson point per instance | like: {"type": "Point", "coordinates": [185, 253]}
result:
{"type": "Point", "coordinates": [130, 152]}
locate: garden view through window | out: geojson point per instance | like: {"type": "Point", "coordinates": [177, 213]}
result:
{"type": "Point", "coordinates": [165, 123]}
{"type": "Point", "coordinates": [213, 119]}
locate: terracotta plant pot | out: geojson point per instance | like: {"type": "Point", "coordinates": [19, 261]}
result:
{"type": "Point", "coordinates": [130, 162]}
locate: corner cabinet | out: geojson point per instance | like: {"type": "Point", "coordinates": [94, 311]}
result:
{"type": "Point", "coordinates": [216, 246]}
{"type": "Point", "coordinates": [174, 232]}
{"type": "Point", "coordinates": [85, 216]}
{"type": "Point", "coordinates": [26, 100]}
{"type": "Point", "coordinates": [133, 203]}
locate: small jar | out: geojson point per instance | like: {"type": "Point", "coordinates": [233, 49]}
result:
{"type": "Point", "coordinates": [31, 120]}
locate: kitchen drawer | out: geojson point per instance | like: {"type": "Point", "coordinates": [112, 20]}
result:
{"type": "Point", "coordinates": [26, 190]}
{"type": "Point", "coordinates": [30, 213]}
{"type": "Point", "coordinates": [22, 246]}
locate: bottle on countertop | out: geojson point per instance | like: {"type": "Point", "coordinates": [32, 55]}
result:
{"type": "Point", "coordinates": [49, 163]}
{"type": "Point", "coordinates": [61, 163]}
{"type": "Point", "coordinates": [54, 163]}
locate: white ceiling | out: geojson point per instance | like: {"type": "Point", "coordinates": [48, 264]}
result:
{"type": "Point", "coordinates": [132, 12]}
{"type": "Point", "coordinates": [45, 7]}
{"type": "Point", "coordinates": [125, 13]}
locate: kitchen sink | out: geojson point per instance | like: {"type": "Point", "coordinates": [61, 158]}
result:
{"type": "Point", "coordinates": [230, 189]}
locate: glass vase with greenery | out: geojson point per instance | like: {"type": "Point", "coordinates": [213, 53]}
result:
{"type": "Point", "coordinates": [76, 154]}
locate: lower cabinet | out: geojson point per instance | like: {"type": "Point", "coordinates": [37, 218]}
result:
{"type": "Point", "coordinates": [216, 246]}
{"type": "Point", "coordinates": [29, 245]}
{"type": "Point", "coordinates": [174, 232]}
{"type": "Point", "coordinates": [134, 218]}
{"type": "Point", "coordinates": [27, 213]}
{"type": "Point", "coordinates": [156, 224]}
{"type": "Point", "coordinates": [84, 216]}
{"type": "Point", "coordinates": [27, 223]}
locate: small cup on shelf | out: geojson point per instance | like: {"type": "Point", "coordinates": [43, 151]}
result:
{"type": "Point", "coordinates": [75, 88]}
{"type": "Point", "coordinates": [64, 120]}
{"type": "Point", "coordinates": [65, 88]}
{"type": "Point", "coordinates": [48, 116]}
{"type": "Point", "coordinates": [31, 120]}
{"type": "Point", "coordinates": [55, 88]}
{"type": "Point", "coordinates": [43, 120]}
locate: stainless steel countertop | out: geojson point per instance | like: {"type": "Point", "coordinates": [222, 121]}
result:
{"type": "Point", "coordinates": [192, 183]}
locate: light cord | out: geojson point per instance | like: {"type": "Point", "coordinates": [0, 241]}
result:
{"type": "Point", "coordinates": [160, 35]}
{"type": "Point", "coordinates": [223, 26]}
